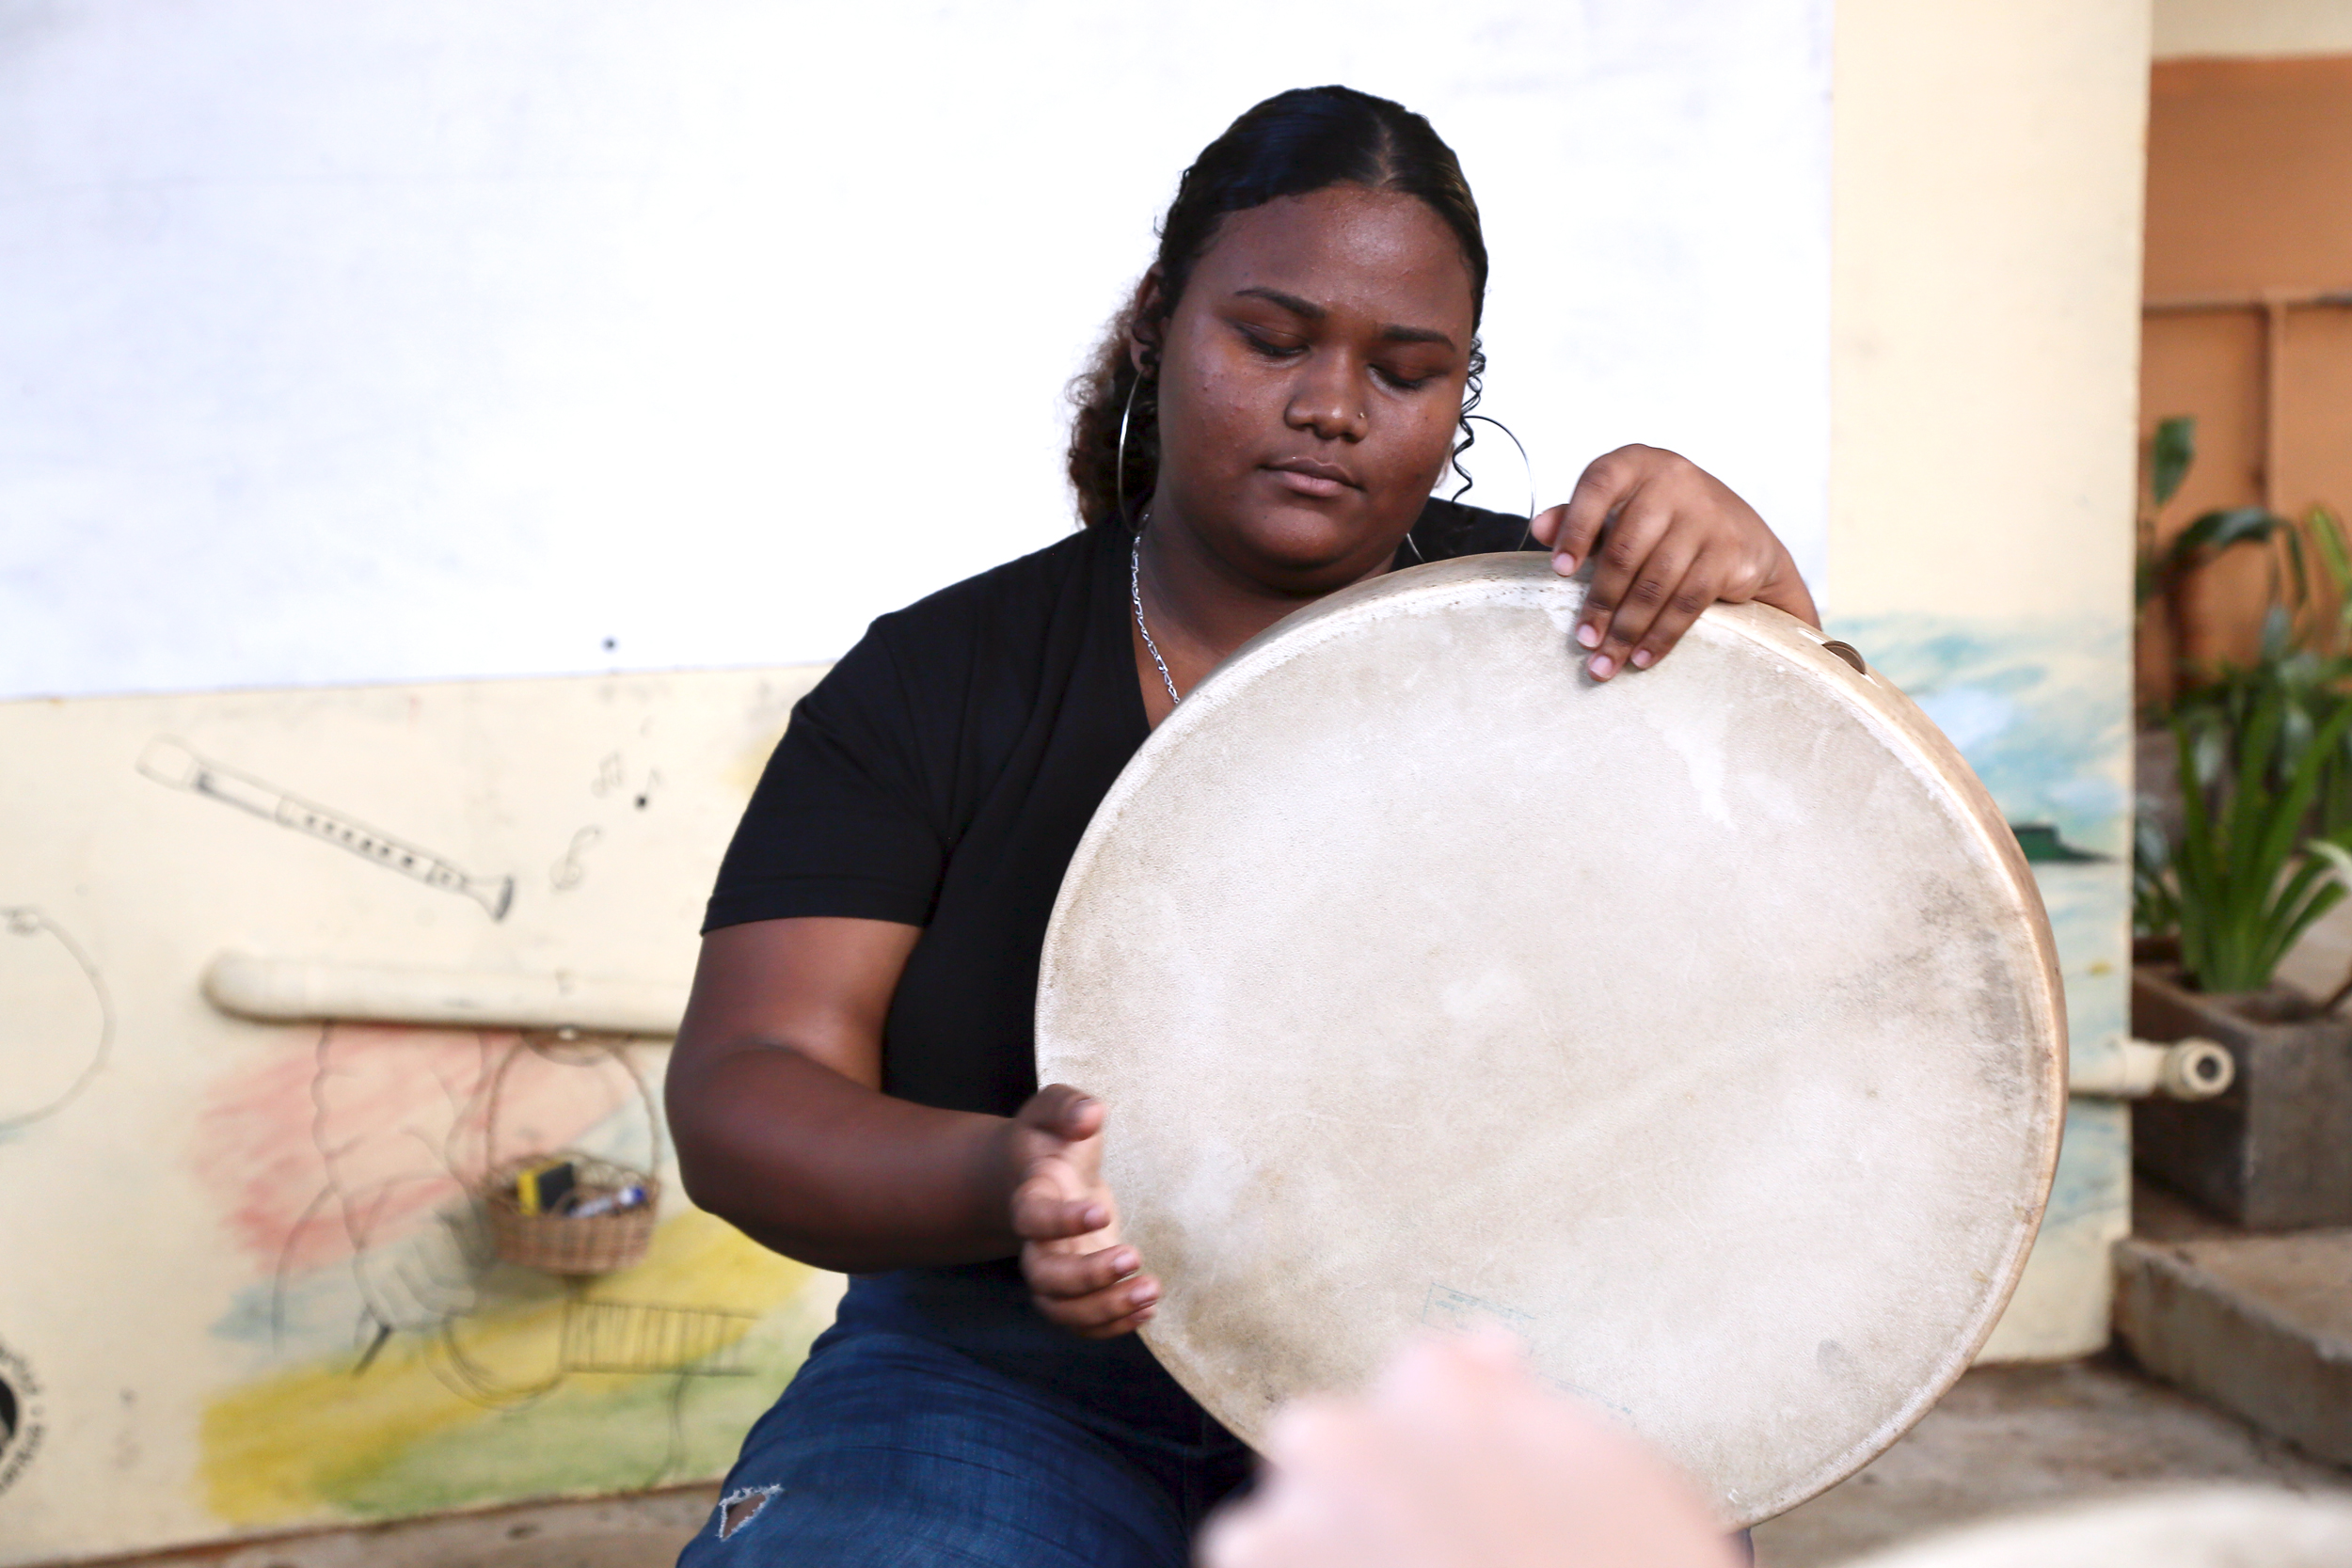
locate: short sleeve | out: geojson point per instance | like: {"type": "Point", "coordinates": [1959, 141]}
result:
{"type": "Point", "coordinates": [842, 822]}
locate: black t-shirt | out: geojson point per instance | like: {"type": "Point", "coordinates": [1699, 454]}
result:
{"type": "Point", "coordinates": [941, 776]}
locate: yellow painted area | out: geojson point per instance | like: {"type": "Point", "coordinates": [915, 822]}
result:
{"type": "Point", "coordinates": [281, 1448]}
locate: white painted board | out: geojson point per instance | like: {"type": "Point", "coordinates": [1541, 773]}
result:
{"type": "Point", "coordinates": [379, 342]}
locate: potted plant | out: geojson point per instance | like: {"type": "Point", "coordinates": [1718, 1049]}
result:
{"type": "Point", "coordinates": [2259, 846]}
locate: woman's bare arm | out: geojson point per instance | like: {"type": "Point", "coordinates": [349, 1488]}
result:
{"type": "Point", "coordinates": [774, 1101]}
{"type": "Point", "coordinates": [783, 1130]}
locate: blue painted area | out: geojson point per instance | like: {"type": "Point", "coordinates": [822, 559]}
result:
{"type": "Point", "coordinates": [2094, 1173]}
{"type": "Point", "coordinates": [316, 1312]}
{"type": "Point", "coordinates": [2091, 916]}
{"type": "Point", "coordinates": [2041, 710]}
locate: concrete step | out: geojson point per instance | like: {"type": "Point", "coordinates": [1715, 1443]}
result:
{"type": "Point", "coordinates": [2261, 1326]}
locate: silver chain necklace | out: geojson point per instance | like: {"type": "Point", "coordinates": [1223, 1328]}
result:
{"type": "Point", "coordinates": [1135, 596]}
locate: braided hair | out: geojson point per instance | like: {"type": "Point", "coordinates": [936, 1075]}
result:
{"type": "Point", "coordinates": [1293, 144]}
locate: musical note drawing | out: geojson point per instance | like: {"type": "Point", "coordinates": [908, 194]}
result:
{"type": "Point", "coordinates": [56, 1023]}
{"type": "Point", "coordinates": [567, 873]}
{"type": "Point", "coordinates": [612, 779]}
{"type": "Point", "coordinates": [168, 761]}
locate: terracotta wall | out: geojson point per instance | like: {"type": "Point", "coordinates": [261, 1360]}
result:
{"type": "Point", "coordinates": [2249, 201]}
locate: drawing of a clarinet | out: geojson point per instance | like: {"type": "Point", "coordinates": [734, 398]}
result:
{"type": "Point", "coordinates": [168, 761]}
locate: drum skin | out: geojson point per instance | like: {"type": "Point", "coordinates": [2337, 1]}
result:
{"type": "Point", "coordinates": [1702, 1028]}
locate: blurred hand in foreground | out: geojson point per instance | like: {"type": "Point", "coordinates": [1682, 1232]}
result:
{"type": "Point", "coordinates": [1457, 1458]}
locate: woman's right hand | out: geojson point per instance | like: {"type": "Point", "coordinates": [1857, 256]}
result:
{"type": "Point", "coordinates": [1080, 1274]}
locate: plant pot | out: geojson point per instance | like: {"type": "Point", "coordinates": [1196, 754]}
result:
{"type": "Point", "coordinates": [2275, 1152]}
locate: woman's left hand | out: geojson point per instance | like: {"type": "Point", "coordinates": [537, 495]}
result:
{"type": "Point", "coordinates": [1673, 539]}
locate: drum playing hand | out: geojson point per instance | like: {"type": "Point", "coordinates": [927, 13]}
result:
{"type": "Point", "coordinates": [1079, 1275]}
{"type": "Point", "coordinates": [1671, 539]}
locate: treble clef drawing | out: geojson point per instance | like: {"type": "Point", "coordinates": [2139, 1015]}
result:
{"type": "Point", "coordinates": [567, 873]}
{"type": "Point", "coordinates": [56, 1023]}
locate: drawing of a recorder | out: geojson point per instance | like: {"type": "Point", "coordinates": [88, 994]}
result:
{"type": "Point", "coordinates": [168, 761]}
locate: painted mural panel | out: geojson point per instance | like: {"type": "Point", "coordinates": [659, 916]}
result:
{"type": "Point", "coordinates": [248, 1281]}
{"type": "Point", "coordinates": [2041, 710]}
{"type": "Point", "coordinates": [271, 1301]}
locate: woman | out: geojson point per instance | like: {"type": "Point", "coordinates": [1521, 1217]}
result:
{"type": "Point", "coordinates": [854, 1081]}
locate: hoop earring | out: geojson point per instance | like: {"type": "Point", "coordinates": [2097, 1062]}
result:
{"type": "Point", "coordinates": [1119, 472]}
{"type": "Point", "coordinates": [1527, 537]}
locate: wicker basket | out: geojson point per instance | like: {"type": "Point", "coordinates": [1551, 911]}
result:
{"type": "Point", "coordinates": [571, 1244]}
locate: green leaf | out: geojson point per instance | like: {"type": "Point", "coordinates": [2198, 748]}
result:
{"type": "Point", "coordinates": [2335, 856]}
{"type": "Point", "coordinates": [2296, 737]}
{"type": "Point", "coordinates": [2200, 888]}
{"type": "Point", "coordinates": [2287, 812]}
{"type": "Point", "coordinates": [2256, 746]}
{"type": "Point", "coordinates": [2216, 531]}
{"type": "Point", "coordinates": [2327, 538]}
{"type": "Point", "coordinates": [2277, 633]}
{"type": "Point", "coordinates": [2309, 875]}
{"type": "Point", "coordinates": [2155, 912]}
{"type": "Point", "coordinates": [2206, 756]}
{"type": "Point", "coordinates": [2299, 572]}
{"type": "Point", "coordinates": [2294, 921]}
{"type": "Point", "coordinates": [2287, 928]}
{"type": "Point", "coordinates": [2171, 450]}
{"type": "Point", "coordinates": [2245, 880]}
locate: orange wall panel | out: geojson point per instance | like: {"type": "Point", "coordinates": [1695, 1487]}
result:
{"type": "Point", "coordinates": [2250, 196]}
{"type": "Point", "coordinates": [2315, 408]}
{"type": "Point", "coordinates": [2249, 175]}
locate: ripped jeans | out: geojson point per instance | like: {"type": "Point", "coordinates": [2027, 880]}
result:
{"type": "Point", "coordinates": [892, 1452]}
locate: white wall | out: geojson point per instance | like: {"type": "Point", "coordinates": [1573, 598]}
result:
{"type": "Point", "coordinates": [377, 342]}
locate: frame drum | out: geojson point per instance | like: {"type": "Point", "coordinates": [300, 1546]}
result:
{"type": "Point", "coordinates": [1701, 1028]}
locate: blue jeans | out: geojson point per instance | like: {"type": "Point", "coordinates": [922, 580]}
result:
{"type": "Point", "coordinates": [892, 1452]}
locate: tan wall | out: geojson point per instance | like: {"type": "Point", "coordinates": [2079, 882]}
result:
{"type": "Point", "coordinates": [2248, 164]}
{"type": "Point", "coordinates": [1984, 320]}
{"type": "Point", "coordinates": [1985, 274]}
{"type": "Point", "coordinates": [2190, 27]}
